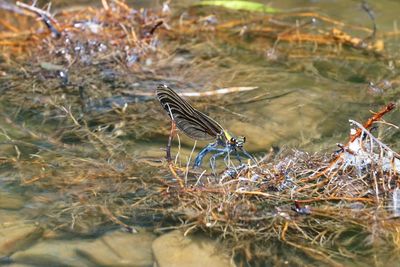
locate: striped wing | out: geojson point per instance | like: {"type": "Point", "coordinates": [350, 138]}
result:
{"type": "Point", "coordinates": [192, 122]}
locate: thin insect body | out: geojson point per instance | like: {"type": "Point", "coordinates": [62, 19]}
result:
{"type": "Point", "coordinates": [199, 126]}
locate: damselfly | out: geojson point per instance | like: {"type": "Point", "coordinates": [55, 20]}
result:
{"type": "Point", "coordinates": [199, 126]}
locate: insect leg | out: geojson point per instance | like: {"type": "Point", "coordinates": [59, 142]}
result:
{"type": "Point", "coordinates": [214, 157]}
{"type": "Point", "coordinates": [227, 158]}
{"type": "Point", "coordinates": [238, 156]}
{"type": "Point", "coordinates": [249, 156]}
{"type": "Point", "coordinates": [203, 152]}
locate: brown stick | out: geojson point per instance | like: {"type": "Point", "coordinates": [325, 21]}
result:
{"type": "Point", "coordinates": [370, 121]}
{"type": "Point", "coordinates": [46, 17]}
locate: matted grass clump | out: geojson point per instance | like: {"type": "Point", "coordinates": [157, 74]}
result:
{"type": "Point", "coordinates": [338, 207]}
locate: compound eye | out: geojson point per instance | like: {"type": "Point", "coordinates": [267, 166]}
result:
{"type": "Point", "coordinates": [233, 140]}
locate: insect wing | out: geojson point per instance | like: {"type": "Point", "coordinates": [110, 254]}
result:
{"type": "Point", "coordinates": [192, 122]}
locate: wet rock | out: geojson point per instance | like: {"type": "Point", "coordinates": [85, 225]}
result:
{"type": "Point", "coordinates": [9, 201]}
{"type": "Point", "coordinates": [120, 249]}
{"type": "Point", "coordinates": [17, 235]}
{"type": "Point", "coordinates": [175, 250]}
{"type": "Point", "coordinates": [53, 253]}
{"type": "Point", "coordinates": [9, 217]}
{"type": "Point", "coordinates": [113, 249]}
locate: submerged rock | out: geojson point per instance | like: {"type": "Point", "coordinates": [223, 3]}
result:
{"type": "Point", "coordinates": [120, 249]}
{"type": "Point", "coordinates": [176, 250]}
{"type": "Point", "coordinates": [15, 236]}
{"type": "Point", "coordinates": [52, 253]}
{"type": "Point", "coordinates": [10, 217]}
{"type": "Point", "coordinates": [113, 249]}
{"type": "Point", "coordinates": [9, 201]}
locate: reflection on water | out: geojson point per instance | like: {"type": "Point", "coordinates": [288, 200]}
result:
{"type": "Point", "coordinates": [80, 156]}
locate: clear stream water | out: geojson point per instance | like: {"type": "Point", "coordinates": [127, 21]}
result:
{"type": "Point", "coordinates": [306, 102]}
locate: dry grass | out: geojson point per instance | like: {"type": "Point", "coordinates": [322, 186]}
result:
{"type": "Point", "coordinates": [73, 143]}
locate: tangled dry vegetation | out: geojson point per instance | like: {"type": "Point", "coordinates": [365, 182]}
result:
{"type": "Point", "coordinates": [311, 202]}
{"type": "Point", "coordinates": [81, 164]}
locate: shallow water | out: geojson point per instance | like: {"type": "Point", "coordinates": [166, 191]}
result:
{"type": "Point", "coordinates": [300, 103]}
